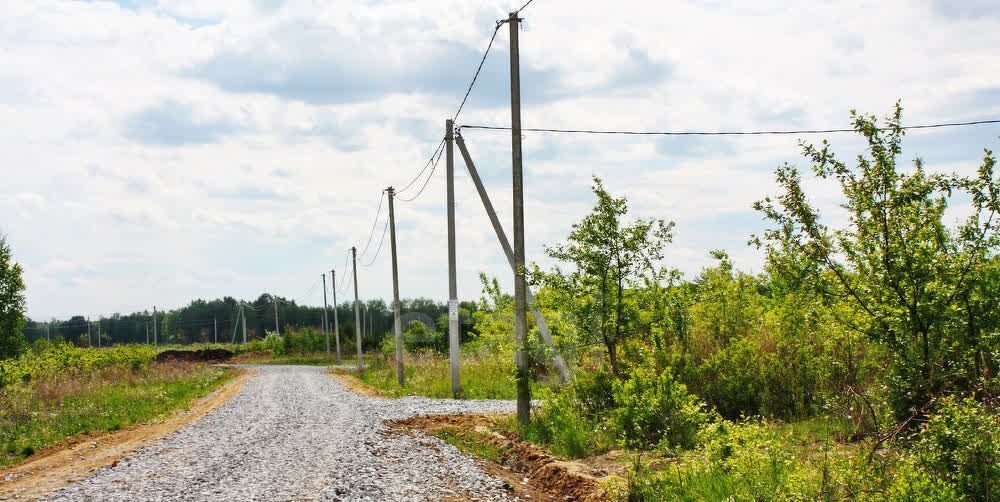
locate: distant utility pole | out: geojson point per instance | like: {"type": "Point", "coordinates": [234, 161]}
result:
{"type": "Point", "coordinates": [520, 286]}
{"type": "Point", "coordinates": [215, 329]}
{"type": "Point", "coordinates": [326, 332]}
{"type": "Point", "coordinates": [154, 327]}
{"type": "Point", "coordinates": [275, 300]}
{"type": "Point", "coordinates": [98, 332]}
{"type": "Point", "coordinates": [90, 340]}
{"type": "Point", "coordinates": [397, 324]}
{"type": "Point", "coordinates": [47, 335]}
{"type": "Point", "coordinates": [357, 306]}
{"type": "Point", "coordinates": [243, 314]}
{"type": "Point", "coordinates": [453, 346]}
{"type": "Point", "coordinates": [336, 322]}
{"type": "Point", "coordinates": [147, 332]}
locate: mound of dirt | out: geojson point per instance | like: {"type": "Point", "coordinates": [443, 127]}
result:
{"type": "Point", "coordinates": [195, 355]}
{"type": "Point", "coordinates": [524, 465]}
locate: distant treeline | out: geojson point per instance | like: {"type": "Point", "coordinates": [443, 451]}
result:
{"type": "Point", "coordinates": [195, 323]}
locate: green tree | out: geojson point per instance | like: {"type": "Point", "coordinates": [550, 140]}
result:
{"type": "Point", "coordinates": [12, 341]}
{"type": "Point", "coordinates": [917, 285]}
{"type": "Point", "coordinates": [608, 255]}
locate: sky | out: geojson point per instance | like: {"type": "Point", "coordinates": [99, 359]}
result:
{"type": "Point", "coordinates": [158, 151]}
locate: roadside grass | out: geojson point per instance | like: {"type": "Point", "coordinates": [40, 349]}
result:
{"type": "Point", "coordinates": [470, 442]}
{"type": "Point", "coordinates": [321, 359]}
{"type": "Point", "coordinates": [46, 411]}
{"type": "Point", "coordinates": [483, 376]}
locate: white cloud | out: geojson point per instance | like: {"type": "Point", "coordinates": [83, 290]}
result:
{"type": "Point", "coordinates": [162, 150]}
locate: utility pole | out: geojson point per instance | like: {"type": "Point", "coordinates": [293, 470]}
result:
{"type": "Point", "coordinates": [98, 332]}
{"type": "Point", "coordinates": [357, 306]}
{"type": "Point", "coordinates": [90, 340]}
{"type": "Point", "coordinates": [543, 327]}
{"type": "Point", "coordinates": [453, 346]}
{"type": "Point", "coordinates": [243, 314]}
{"type": "Point", "coordinates": [397, 324]}
{"type": "Point", "coordinates": [47, 335]}
{"type": "Point", "coordinates": [520, 286]}
{"type": "Point", "coordinates": [326, 333]}
{"type": "Point", "coordinates": [154, 326]}
{"type": "Point", "coordinates": [275, 300]}
{"type": "Point", "coordinates": [336, 322]}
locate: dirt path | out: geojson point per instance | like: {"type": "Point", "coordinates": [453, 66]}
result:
{"type": "Point", "coordinates": [294, 433]}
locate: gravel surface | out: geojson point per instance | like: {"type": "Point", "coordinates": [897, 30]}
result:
{"type": "Point", "coordinates": [294, 433]}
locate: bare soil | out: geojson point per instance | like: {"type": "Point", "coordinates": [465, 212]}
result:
{"type": "Point", "coordinates": [532, 472]}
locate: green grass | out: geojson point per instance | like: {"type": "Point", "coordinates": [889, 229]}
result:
{"type": "Point", "coordinates": [300, 359]}
{"type": "Point", "coordinates": [482, 377]}
{"type": "Point", "coordinates": [46, 412]}
{"type": "Point", "coordinates": [470, 443]}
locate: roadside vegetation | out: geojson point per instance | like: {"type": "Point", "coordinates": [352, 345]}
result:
{"type": "Point", "coordinates": [52, 393]}
{"type": "Point", "coordinates": [860, 363]}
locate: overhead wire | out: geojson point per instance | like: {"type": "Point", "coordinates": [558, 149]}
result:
{"type": "Point", "coordinates": [426, 181]}
{"type": "Point", "coordinates": [377, 251]}
{"type": "Point", "coordinates": [378, 212]}
{"type": "Point", "coordinates": [715, 133]}
{"type": "Point", "coordinates": [518, 11]}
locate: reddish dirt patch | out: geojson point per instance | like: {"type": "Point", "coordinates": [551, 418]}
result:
{"type": "Point", "coordinates": [195, 355]}
{"type": "Point", "coordinates": [532, 472]}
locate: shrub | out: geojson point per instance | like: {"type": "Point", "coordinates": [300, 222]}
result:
{"type": "Point", "coordinates": [960, 444]}
{"type": "Point", "coordinates": [654, 409]}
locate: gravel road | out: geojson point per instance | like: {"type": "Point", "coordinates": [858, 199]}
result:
{"type": "Point", "coordinates": [294, 433]}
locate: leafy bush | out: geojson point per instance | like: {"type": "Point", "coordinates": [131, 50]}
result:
{"type": "Point", "coordinates": [566, 428]}
{"type": "Point", "coordinates": [654, 409]}
{"type": "Point", "coordinates": [66, 358]}
{"type": "Point", "coordinates": [961, 445]}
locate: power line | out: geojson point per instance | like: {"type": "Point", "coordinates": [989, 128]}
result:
{"type": "Point", "coordinates": [479, 69]}
{"type": "Point", "coordinates": [716, 133]}
{"type": "Point", "coordinates": [377, 251]}
{"type": "Point", "coordinates": [374, 223]}
{"type": "Point", "coordinates": [422, 171]}
{"type": "Point", "coordinates": [518, 11]}
{"type": "Point", "coordinates": [426, 181]}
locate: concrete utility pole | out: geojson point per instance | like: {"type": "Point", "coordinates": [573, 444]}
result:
{"type": "Point", "coordinates": [275, 300]}
{"type": "Point", "coordinates": [147, 333]}
{"type": "Point", "coordinates": [215, 329]}
{"type": "Point", "coordinates": [243, 314]}
{"type": "Point", "coordinates": [357, 306]}
{"type": "Point", "coordinates": [397, 323]}
{"type": "Point", "coordinates": [336, 322]}
{"type": "Point", "coordinates": [326, 332]}
{"type": "Point", "coordinates": [154, 326]}
{"type": "Point", "coordinates": [520, 286]}
{"type": "Point", "coordinates": [543, 327]}
{"type": "Point", "coordinates": [453, 346]}
{"type": "Point", "coordinates": [98, 332]}
{"type": "Point", "coordinates": [90, 340]}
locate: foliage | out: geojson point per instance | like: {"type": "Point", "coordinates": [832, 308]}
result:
{"type": "Point", "coordinates": [914, 284]}
{"type": "Point", "coordinates": [607, 256]}
{"type": "Point", "coordinates": [12, 340]}
{"type": "Point", "coordinates": [483, 376]}
{"type": "Point", "coordinates": [566, 428]}
{"type": "Point", "coordinates": [67, 359]}
{"type": "Point", "coordinates": [960, 446]}
{"type": "Point", "coordinates": [94, 400]}
{"type": "Point", "coordinates": [654, 409]}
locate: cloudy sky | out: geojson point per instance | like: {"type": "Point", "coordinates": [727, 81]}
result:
{"type": "Point", "coordinates": [155, 151]}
